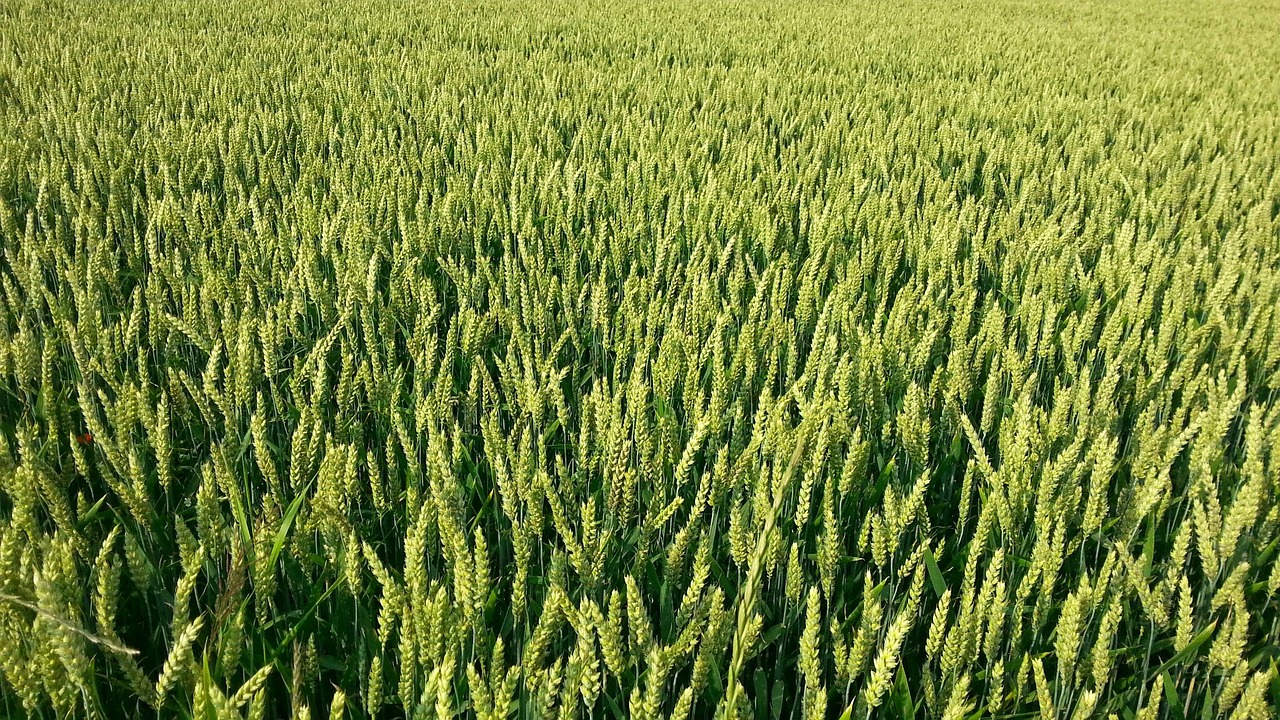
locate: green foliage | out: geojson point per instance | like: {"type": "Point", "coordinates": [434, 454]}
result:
{"type": "Point", "coordinates": [520, 359]}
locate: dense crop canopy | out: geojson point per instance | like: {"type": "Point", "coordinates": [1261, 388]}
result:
{"type": "Point", "coordinates": [523, 358]}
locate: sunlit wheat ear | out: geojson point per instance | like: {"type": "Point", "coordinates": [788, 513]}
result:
{"type": "Point", "coordinates": [179, 657]}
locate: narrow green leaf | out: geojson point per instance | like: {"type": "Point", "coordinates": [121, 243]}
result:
{"type": "Point", "coordinates": [283, 533]}
{"type": "Point", "coordinates": [762, 693]}
{"type": "Point", "coordinates": [1189, 651]}
{"type": "Point", "coordinates": [901, 699]}
{"type": "Point", "coordinates": [935, 573]}
{"type": "Point", "coordinates": [1171, 697]}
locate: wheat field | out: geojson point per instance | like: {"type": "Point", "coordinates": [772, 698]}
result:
{"type": "Point", "coordinates": [539, 359]}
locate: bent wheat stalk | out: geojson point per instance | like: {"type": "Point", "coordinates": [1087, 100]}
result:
{"type": "Point", "coordinates": [96, 639]}
{"type": "Point", "coordinates": [747, 599]}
